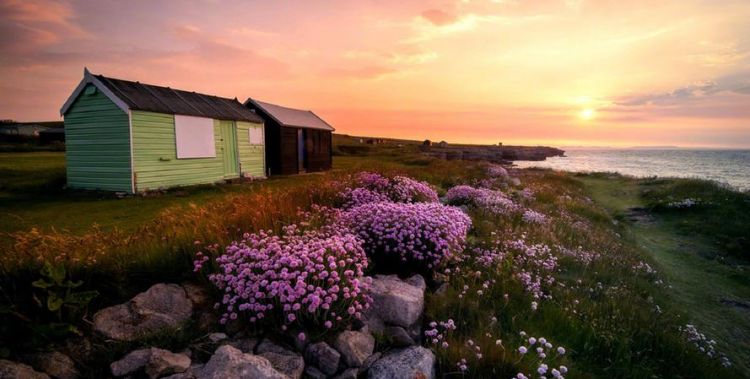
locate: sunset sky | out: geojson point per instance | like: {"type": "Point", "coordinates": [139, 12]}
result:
{"type": "Point", "coordinates": [528, 72]}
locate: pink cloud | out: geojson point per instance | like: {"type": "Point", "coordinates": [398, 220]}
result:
{"type": "Point", "coordinates": [438, 17]}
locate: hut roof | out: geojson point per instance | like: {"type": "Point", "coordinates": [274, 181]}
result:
{"type": "Point", "coordinates": [296, 118]}
{"type": "Point", "coordinates": [130, 95]}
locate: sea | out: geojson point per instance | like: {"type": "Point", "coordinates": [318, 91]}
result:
{"type": "Point", "coordinates": [729, 167]}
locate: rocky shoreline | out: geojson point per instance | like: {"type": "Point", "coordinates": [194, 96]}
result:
{"type": "Point", "coordinates": [395, 318]}
{"type": "Point", "coordinates": [494, 154]}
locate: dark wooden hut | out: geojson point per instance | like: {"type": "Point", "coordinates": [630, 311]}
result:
{"type": "Point", "coordinates": [296, 140]}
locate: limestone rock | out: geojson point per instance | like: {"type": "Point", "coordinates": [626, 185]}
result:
{"type": "Point", "coordinates": [410, 362]}
{"type": "Point", "coordinates": [354, 347]}
{"type": "Point", "coordinates": [164, 362]}
{"type": "Point", "coordinates": [323, 357]}
{"type": "Point", "coordinates": [246, 345]}
{"type": "Point", "coordinates": [55, 364]}
{"type": "Point", "coordinates": [131, 363]}
{"type": "Point", "coordinates": [398, 336]}
{"type": "Point", "coordinates": [266, 346]}
{"type": "Point", "coordinates": [161, 307]}
{"type": "Point", "coordinates": [291, 365]}
{"type": "Point", "coordinates": [369, 361]}
{"type": "Point", "coordinates": [14, 370]}
{"type": "Point", "coordinates": [157, 362]}
{"type": "Point", "coordinates": [230, 363]}
{"type": "Point", "coordinates": [198, 295]}
{"type": "Point", "coordinates": [217, 337]}
{"type": "Point", "coordinates": [396, 301]}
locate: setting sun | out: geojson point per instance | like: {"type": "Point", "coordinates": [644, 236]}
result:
{"type": "Point", "coordinates": [587, 114]}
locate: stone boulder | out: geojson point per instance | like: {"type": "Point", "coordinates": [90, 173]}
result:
{"type": "Point", "coordinates": [230, 363]}
{"type": "Point", "coordinates": [395, 301]}
{"type": "Point", "coordinates": [15, 370]}
{"type": "Point", "coordinates": [55, 364]}
{"type": "Point", "coordinates": [154, 361]}
{"type": "Point", "coordinates": [283, 360]}
{"type": "Point", "coordinates": [164, 362]}
{"type": "Point", "coordinates": [408, 363]}
{"type": "Point", "coordinates": [398, 336]}
{"type": "Point", "coordinates": [291, 365]}
{"type": "Point", "coordinates": [355, 347]}
{"type": "Point", "coordinates": [161, 307]}
{"type": "Point", "coordinates": [323, 357]}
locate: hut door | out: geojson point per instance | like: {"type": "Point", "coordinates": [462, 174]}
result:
{"type": "Point", "coordinates": [228, 135]}
{"type": "Point", "coordinates": [301, 150]}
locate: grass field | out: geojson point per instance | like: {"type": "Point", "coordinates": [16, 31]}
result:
{"type": "Point", "coordinates": [615, 318]}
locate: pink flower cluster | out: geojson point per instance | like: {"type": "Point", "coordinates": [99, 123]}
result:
{"type": "Point", "coordinates": [438, 331]}
{"type": "Point", "coordinates": [533, 217]}
{"type": "Point", "coordinates": [496, 171]}
{"type": "Point", "coordinates": [424, 236]}
{"type": "Point", "coordinates": [491, 200]}
{"type": "Point", "coordinates": [372, 188]}
{"type": "Point", "coordinates": [294, 278]}
{"type": "Point", "coordinates": [534, 266]}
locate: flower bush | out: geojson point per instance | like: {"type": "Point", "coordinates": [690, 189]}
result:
{"type": "Point", "coordinates": [416, 237]}
{"type": "Point", "coordinates": [493, 201]}
{"type": "Point", "coordinates": [310, 278]}
{"type": "Point", "coordinates": [372, 187]}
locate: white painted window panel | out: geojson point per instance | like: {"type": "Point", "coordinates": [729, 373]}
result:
{"type": "Point", "coordinates": [255, 136]}
{"type": "Point", "coordinates": [194, 137]}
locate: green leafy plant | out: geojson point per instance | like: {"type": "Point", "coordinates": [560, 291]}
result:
{"type": "Point", "coordinates": [61, 298]}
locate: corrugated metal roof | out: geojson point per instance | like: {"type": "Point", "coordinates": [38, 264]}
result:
{"type": "Point", "coordinates": [147, 97]}
{"type": "Point", "coordinates": [291, 117]}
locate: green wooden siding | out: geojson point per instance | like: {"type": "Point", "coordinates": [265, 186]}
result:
{"type": "Point", "coordinates": [155, 154]}
{"type": "Point", "coordinates": [252, 157]}
{"type": "Point", "coordinates": [98, 143]}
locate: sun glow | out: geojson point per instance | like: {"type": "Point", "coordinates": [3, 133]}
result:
{"type": "Point", "coordinates": [587, 114]}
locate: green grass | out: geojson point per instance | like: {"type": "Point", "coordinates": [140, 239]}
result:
{"type": "Point", "coordinates": [605, 312]}
{"type": "Point", "coordinates": [689, 247]}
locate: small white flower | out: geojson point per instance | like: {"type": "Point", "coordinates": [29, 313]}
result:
{"type": "Point", "coordinates": [522, 350]}
{"type": "Point", "coordinates": [561, 350]}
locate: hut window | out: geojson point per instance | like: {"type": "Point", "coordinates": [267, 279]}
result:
{"type": "Point", "coordinates": [255, 136]}
{"type": "Point", "coordinates": [194, 137]}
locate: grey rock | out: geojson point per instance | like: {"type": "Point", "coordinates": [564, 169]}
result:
{"type": "Point", "coordinates": [291, 365]}
{"type": "Point", "coordinates": [354, 347]}
{"type": "Point", "coordinates": [156, 362]}
{"type": "Point", "coordinates": [417, 281]}
{"type": "Point", "coordinates": [350, 373]}
{"type": "Point", "coordinates": [164, 362]}
{"type": "Point", "coordinates": [323, 357]}
{"type": "Point", "coordinates": [15, 370]}
{"type": "Point", "coordinates": [398, 336]}
{"type": "Point", "coordinates": [396, 301]}
{"type": "Point", "coordinates": [198, 295]}
{"type": "Point", "coordinates": [410, 362]}
{"type": "Point", "coordinates": [369, 361]}
{"type": "Point", "coordinates": [372, 321]}
{"type": "Point", "coordinates": [131, 363]}
{"type": "Point", "coordinates": [230, 363]}
{"type": "Point", "coordinates": [55, 364]}
{"type": "Point", "coordinates": [246, 345]}
{"type": "Point", "coordinates": [311, 372]}
{"type": "Point", "coordinates": [161, 307]}
{"type": "Point", "coordinates": [217, 337]}
{"type": "Point", "coordinates": [266, 346]}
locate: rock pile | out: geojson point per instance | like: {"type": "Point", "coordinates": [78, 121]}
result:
{"type": "Point", "coordinates": [396, 315]}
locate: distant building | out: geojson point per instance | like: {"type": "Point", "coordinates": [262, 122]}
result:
{"type": "Point", "coordinates": [132, 137]}
{"type": "Point", "coordinates": [442, 144]}
{"type": "Point", "coordinates": [21, 129]}
{"type": "Point", "coordinates": [296, 140]}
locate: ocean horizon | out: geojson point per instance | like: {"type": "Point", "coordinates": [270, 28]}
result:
{"type": "Point", "coordinates": [729, 167]}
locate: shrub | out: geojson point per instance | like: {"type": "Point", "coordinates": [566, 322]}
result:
{"type": "Point", "coordinates": [310, 279]}
{"type": "Point", "coordinates": [493, 201]}
{"type": "Point", "coordinates": [417, 237]}
{"type": "Point", "coordinates": [372, 187]}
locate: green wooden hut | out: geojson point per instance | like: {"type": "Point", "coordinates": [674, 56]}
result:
{"type": "Point", "coordinates": [132, 137]}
